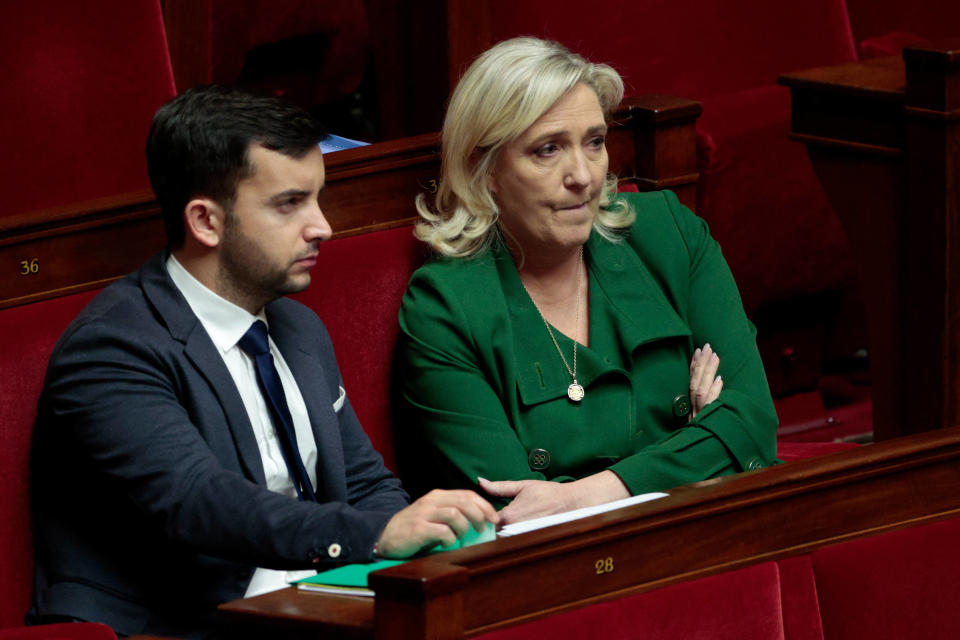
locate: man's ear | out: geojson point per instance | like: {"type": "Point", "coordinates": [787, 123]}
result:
{"type": "Point", "coordinates": [204, 220]}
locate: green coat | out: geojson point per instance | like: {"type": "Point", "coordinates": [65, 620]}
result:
{"type": "Point", "coordinates": [482, 389]}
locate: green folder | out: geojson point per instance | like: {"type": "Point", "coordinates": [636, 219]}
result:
{"type": "Point", "coordinates": [351, 579]}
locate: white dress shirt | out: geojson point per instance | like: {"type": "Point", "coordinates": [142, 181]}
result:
{"type": "Point", "coordinates": [226, 323]}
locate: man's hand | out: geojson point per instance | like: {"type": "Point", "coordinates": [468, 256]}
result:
{"type": "Point", "coordinates": [536, 498]}
{"type": "Point", "coordinates": [440, 517]}
{"type": "Point", "coordinates": [705, 384]}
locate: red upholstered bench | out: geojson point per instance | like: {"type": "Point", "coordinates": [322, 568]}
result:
{"type": "Point", "coordinates": [903, 584]}
{"type": "Point", "coordinates": [65, 631]}
{"type": "Point", "coordinates": [27, 336]}
{"type": "Point", "coordinates": [884, 27]}
{"type": "Point", "coordinates": [358, 283]}
{"type": "Point", "coordinates": [738, 605]}
{"type": "Point", "coordinates": [900, 584]}
{"type": "Point", "coordinates": [357, 286]}
{"type": "Point", "coordinates": [757, 189]}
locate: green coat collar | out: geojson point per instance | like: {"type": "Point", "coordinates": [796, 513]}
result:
{"type": "Point", "coordinates": [619, 282]}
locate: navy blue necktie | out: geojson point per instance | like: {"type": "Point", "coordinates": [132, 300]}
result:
{"type": "Point", "coordinates": [255, 343]}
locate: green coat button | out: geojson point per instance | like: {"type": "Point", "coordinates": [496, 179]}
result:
{"type": "Point", "coordinates": [681, 405]}
{"type": "Point", "coordinates": [755, 463]}
{"type": "Point", "coordinates": [539, 459]}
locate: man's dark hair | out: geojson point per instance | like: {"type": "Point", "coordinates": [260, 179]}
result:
{"type": "Point", "coordinates": [199, 141]}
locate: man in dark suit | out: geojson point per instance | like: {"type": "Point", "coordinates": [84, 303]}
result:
{"type": "Point", "coordinates": [194, 443]}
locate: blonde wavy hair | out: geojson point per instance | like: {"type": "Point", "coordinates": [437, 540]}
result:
{"type": "Point", "coordinates": [500, 96]}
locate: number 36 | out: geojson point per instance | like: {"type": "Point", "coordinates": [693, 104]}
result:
{"type": "Point", "coordinates": [29, 267]}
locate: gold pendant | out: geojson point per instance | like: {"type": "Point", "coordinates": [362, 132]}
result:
{"type": "Point", "coordinates": [575, 391]}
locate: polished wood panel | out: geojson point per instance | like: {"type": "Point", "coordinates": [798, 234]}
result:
{"type": "Point", "coordinates": [330, 616]}
{"type": "Point", "coordinates": [884, 138]}
{"type": "Point", "coordinates": [89, 244]}
{"type": "Point", "coordinates": [702, 529]}
{"type": "Point", "coordinates": [76, 248]}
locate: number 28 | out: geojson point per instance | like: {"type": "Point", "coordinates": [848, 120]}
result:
{"type": "Point", "coordinates": [604, 565]}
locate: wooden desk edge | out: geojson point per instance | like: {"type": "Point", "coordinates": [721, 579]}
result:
{"type": "Point", "coordinates": [889, 462]}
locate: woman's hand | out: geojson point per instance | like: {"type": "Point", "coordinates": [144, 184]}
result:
{"type": "Point", "coordinates": [536, 498]}
{"type": "Point", "coordinates": [705, 384]}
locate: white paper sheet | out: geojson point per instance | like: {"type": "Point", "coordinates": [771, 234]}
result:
{"type": "Point", "coordinates": [576, 514]}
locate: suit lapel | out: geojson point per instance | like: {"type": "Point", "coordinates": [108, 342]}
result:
{"type": "Point", "coordinates": [184, 327]}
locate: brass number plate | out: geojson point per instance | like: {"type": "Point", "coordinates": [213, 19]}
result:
{"type": "Point", "coordinates": [604, 565]}
{"type": "Point", "coordinates": [29, 267]}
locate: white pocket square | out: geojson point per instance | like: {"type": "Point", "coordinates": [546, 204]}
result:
{"type": "Point", "coordinates": [339, 403]}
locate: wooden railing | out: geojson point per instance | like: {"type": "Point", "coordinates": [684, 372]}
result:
{"type": "Point", "coordinates": [699, 530]}
{"type": "Point", "coordinates": [884, 138]}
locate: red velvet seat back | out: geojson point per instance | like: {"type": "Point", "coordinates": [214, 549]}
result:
{"type": "Point", "coordinates": [902, 584]}
{"type": "Point", "coordinates": [357, 286]}
{"type": "Point", "coordinates": [739, 605]}
{"type": "Point", "coordinates": [62, 631]}
{"type": "Point", "coordinates": [81, 83]}
{"type": "Point", "coordinates": [782, 239]}
{"type": "Point", "coordinates": [27, 336]}
{"type": "Point", "coordinates": [758, 191]}
{"type": "Point", "coordinates": [929, 19]}
{"type": "Point", "coordinates": [686, 48]}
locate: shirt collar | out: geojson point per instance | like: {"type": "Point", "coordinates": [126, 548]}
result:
{"type": "Point", "coordinates": [224, 321]}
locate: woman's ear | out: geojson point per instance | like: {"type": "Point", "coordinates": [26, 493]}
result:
{"type": "Point", "coordinates": [205, 221]}
{"type": "Point", "coordinates": [476, 157]}
{"type": "Point", "coordinates": [492, 183]}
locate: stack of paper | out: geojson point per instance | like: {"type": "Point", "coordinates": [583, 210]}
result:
{"type": "Point", "coordinates": [576, 514]}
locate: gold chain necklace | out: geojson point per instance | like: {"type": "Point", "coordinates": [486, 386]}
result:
{"type": "Point", "coordinates": [575, 390]}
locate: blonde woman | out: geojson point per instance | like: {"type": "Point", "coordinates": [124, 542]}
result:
{"type": "Point", "coordinates": [561, 350]}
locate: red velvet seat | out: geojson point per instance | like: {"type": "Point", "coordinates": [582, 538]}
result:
{"type": "Point", "coordinates": [66, 631]}
{"type": "Point", "coordinates": [739, 605]}
{"type": "Point", "coordinates": [902, 584]}
{"type": "Point", "coordinates": [82, 81]}
{"type": "Point", "coordinates": [899, 584]}
{"type": "Point", "coordinates": [758, 192]}
{"type": "Point", "coordinates": [357, 286]}
{"type": "Point", "coordinates": [27, 336]}
{"type": "Point", "coordinates": [884, 27]}
{"type": "Point", "coordinates": [358, 283]}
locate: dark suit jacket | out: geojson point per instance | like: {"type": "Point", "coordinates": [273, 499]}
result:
{"type": "Point", "coordinates": [150, 502]}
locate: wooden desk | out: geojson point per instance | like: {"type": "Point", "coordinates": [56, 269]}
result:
{"type": "Point", "coordinates": [702, 529]}
{"type": "Point", "coordinates": [884, 138]}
